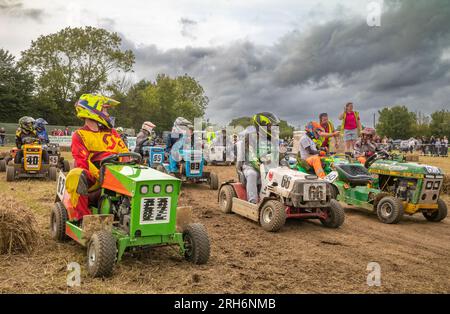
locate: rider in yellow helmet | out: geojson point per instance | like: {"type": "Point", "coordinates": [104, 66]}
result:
{"type": "Point", "coordinates": [91, 143]}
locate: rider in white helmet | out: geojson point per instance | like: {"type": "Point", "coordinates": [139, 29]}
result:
{"type": "Point", "coordinates": [145, 136]}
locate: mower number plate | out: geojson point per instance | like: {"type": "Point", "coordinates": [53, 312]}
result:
{"type": "Point", "coordinates": [195, 168]}
{"type": "Point", "coordinates": [53, 160]}
{"type": "Point", "coordinates": [33, 161]}
{"type": "Point", "coordinates": [157, 158]}
{"type": "Point", "coordinates": [155, 210]}
{"type": "Point", "coordinates": [314, 192]}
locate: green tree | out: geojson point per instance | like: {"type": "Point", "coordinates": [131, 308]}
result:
{"type": "Point", "coordinates": [72, 62]}
{"type": "Point", "coordinates": [396, 122]}
{"type": "Point", "coordinates": [16, 89]}
{"type": "Point", "coordinates": [161, 102]}
{"type": "Point", "coordinates": [440, 123]}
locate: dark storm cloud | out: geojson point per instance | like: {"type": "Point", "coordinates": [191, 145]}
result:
{"type": "Point", "coordinates": [320, 70]}
{"type": "Point", "coordinates": [15, 8]}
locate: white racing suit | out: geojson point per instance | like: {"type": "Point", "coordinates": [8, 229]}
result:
{"type": "Point", "coordinates": [248, 160]}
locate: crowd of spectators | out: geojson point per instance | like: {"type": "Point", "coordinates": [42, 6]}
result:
{"type": "Point", "coordinates": [426, 146]}
{"type": "Point", "coordinates": [59, 132]}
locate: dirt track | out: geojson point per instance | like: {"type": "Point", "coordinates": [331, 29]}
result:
{"type": "Point", "coordinates": [304, 257]}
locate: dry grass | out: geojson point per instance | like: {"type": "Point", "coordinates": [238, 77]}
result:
{"type": "Point", "coordinates": [18, 232]}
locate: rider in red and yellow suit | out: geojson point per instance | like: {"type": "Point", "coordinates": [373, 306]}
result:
{"type": "Point", "coordinates": [91, 144]}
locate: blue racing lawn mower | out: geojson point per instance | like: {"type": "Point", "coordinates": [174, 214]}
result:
{"type": "Point", "coordinates": [188, 165]}
{"type": "Point", "coordinates": [154, 155]}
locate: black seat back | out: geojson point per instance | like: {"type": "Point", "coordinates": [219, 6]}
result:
{"type": "Point", "coordinates": [354, 174]}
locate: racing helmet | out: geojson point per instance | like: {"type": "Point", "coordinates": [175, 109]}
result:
{"type": "Point", "coordinates": [26, 123]}
{"type": "Point", "coordinates": [91, 106]}
{"type": "Point", "coordinates": [312, 129]}
{"type": "Point", "coordinates": [40, 124]}
{"type": "Point", "coordinates": [148, 126]}
{"type": "Point", "coordinates": [181, 124]}
{"type": "Point", "coordinates": [368, 132]}
{"type": "Point", "coordinates": [119, 130]}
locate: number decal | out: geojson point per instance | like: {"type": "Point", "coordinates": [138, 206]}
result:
{"type": "Point", "coordinates": [285, 181]}
{"type": "Point", "coordinates": [157, 158]}
{"type": "Point", "coordinates": [61, 185]}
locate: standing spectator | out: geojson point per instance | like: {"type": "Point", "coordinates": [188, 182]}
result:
{"type": "Point", "coordinates": [432, 146]}
{"type": "Point", "coordinates": [444, 145]}
{"type": "Point", "coordinates": [351, 125]}
{"type": "Point", "coordinates": [2, 136]}
{"type": "Point", "coordinates": [424, 145]}
{"type": "Point", "coordinates": [328, 126]}
{"type": "Point", "coordinates": [67, 131]}
{"type": "Point", "coordinates": [438, 147]}
{"type": "Point", "coordinates": [411, 144]}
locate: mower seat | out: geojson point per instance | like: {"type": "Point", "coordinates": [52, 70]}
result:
{"type": "Point", "coordinates": [241, 177]}
{"type": "Point", "coordinates": [354, 175]}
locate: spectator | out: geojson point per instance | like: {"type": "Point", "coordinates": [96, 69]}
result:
{"type": "Point", "coordinates": [438, 147]}
{"type": "Point", "coordinates": [432, 146]}
{"type": "Point", "coordinates": [67, 131]}
{"type": "Point", "coordinates": [2, 136]}
{"type": "Point", "coordinates": [351, 125]}
{"type": "Point", "coordinates": [328, 126]}
{"type": "Point", "coordinates": [444, 145]}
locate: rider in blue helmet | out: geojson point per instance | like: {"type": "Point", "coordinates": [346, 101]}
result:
{"type": "Point", "coordinates": [39, 126]}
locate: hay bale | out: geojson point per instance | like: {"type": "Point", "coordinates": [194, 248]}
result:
{"type": "Point", "coordinates": [446, 184]}
{"type": "Point", "coordinates": [18, 228]}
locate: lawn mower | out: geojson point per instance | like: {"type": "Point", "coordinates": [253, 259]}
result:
{"type": "Point", "coordinates": [284, 193]}
{"type": "Point", "coordinates": [417, 185]}
{"type": "Point", "coordinates": [5, 157]}
{"type": "Point", "coordinates": [33, 163]}
{"type": "Point", "coordinates": [55, 158]}
{"type": "Point", "coordinates": [188, 164]}
{"type": "Point", "coordinates": [153, 156]}
{"type": "Point", "coordinates": [137, 208]}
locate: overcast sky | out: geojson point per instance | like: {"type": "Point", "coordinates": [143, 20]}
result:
{"type": "Point", "coordinates": [296, 58]}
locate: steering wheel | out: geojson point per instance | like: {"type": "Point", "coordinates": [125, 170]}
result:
{"type": "Point", "coordinates": [382, 154]}
{"type": "Point", "coordinates": [114, 159]}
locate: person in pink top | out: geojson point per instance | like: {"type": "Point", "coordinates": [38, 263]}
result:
{"type": "Point", "coordinates": [351, 125]}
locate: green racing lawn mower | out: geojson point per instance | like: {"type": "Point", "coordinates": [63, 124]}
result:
{"type": "Point", "coordinates": [354, 185]}
{"type": "Point", "coordinates": [137, 208]}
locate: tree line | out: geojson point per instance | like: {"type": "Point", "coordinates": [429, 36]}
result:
{"type": "Point", "coordinates": [399, 123]}
{"type": "Point", "coordinates": [58, 68]}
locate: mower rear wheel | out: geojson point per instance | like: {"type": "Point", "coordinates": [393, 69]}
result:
{"type": "Point", "coordinates": [335, 215]}
{"type": "Point", "coordinates": [438, 214]}
{"type": "Point", "coordinates": [213, 181]}
{"type": "Point", "coordinates": [10, 173]}
{"type": "Point", "coordinates": [272, 216]}
{"type": "Point", "coordinates": [2, 165]}
{"type": "Point", "coordinates": [101, 254]}
{"type": "Point", "coordinates": [58, 220]}
{"type": "Point", "coordinates": [52, 173]}
{"type": "Point", "coordinates": [226, 195]}
{"type": "Point", "coordinates": [390, 210]}
{"type": "Point", "coordinates": [196, 244]}
{"type": "Point", "coordinates": [66, 166]}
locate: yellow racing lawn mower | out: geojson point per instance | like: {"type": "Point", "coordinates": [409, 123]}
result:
{"type": "Point", "coordinates": [32, 161]}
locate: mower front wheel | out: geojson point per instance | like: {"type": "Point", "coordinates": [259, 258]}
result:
{"type": "Point", "coordinates": [226, 195]}
{"type": "Point", "coordinates": [390, 210]}
{"type": "Point", "coordinates": [335, 215]}
{"type": "Point", "coordinates": [196, 244]}
{"type": "Point", "coordinates": [3, 165]}
{"type": "Point", "coordinates": [58, 220]}
{"type": "Point", "coordinates": [10, 173]}
{"type": "Point", "coordinates": [439, 214]}
{"type": "Point", "coordinates": [66, 165]}
{"type": "Point", "coordinates": [101, 254]}
{"type": "Point", "coordinates": [213, 181]}
{"type": "Point", "coordinates": [52, 173]}
{"type": "Point", "coordinates": [272, 216]}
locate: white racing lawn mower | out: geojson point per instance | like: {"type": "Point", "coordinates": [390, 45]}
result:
{"type": "Point", "coordinates": [284, 193]}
